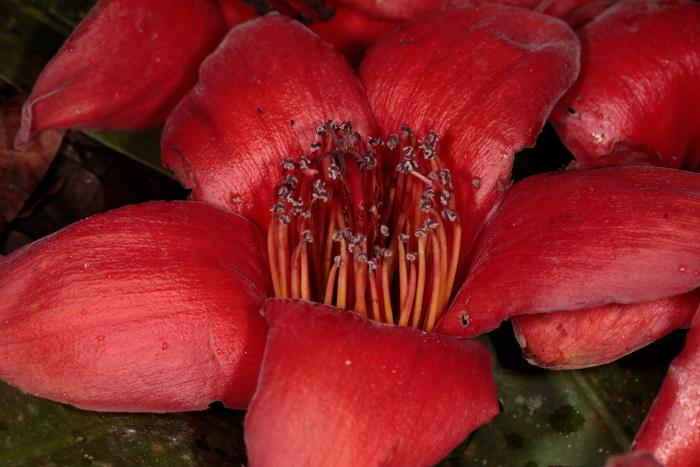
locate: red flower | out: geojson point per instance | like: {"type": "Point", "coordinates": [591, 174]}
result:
{"type": "Point", "coordinates": [155, 295]}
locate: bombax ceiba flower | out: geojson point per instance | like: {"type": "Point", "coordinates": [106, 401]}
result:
{"type": "Point", "coordinates": [370, 202]}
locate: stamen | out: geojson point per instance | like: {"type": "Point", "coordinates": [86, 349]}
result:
{"type": "Point", "coordinates": [347, 230]}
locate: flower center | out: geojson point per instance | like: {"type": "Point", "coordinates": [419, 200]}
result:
{"type": "Point", "coordinates": [350, 230]}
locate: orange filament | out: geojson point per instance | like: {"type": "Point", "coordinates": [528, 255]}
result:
{"type": "Point", "coordinates": [348, 232]}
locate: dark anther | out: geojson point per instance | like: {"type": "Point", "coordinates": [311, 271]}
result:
{"type": "Point", "coordinates": [288, 163]}
{"type": "Point", "coordinates": [374, 141]}
{"type": "Point", "coordinates": [393, 141]}
{"type": "Point", "coordinates": [464, 318]}
{"type": "Point", "coordinates": [406, 131]}
{"type": "Point", "coordinates": [321, 129]}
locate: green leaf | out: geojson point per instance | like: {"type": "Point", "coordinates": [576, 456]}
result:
{"type": "Point", "coordinates": [142, 146]}
{"type": "Point", "coordinates": [30, 34]}
{"type": "Point", "coordinates": [36, 432]}
{"type": "Point", "coordinates": [565, 418]}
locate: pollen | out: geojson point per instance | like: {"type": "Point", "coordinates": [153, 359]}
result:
{"type": "Point", "coordinates": [367, 224]}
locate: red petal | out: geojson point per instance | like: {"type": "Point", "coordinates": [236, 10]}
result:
{"type": "Point", "coordinates": [582, 239]}
{"type": "Point", "coordinates": [236, 12]}
{"type": "Point", "coordinates": [485, 79]}
{"type": "Point", "coordinates": [337, 389]}
{"type": "Point", "coordinates": [671, 430]}
{"type": "Point", "coordinates": [149, 308]}
{"type": "Point", "coordinates": [125, 66]}
{"type": "Point", "coordinates": [633, 459]}
{"type": "Point", "coordinates": [258, 99]}
{"type": "Point", "coordinates": [410, 9]}
{"type": "Point", "coordinates": [584, 338]}
{"type": "Point", "coordinates": [395, 9]}
{"type": "Point", "coordinates": [649, 96]}
{"type": "Point", "coordinates": [352, 32]}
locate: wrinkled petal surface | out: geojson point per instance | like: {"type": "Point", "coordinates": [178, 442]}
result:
{"type": "Point", "coordinates": [582, 239]}
{"type": "Point", "coordinates": [337, 389]}
{"type": "Point", "coordinates": [485, 79]}
{"type": "Point", "coordinates": [596, 336]}
{"type": "Point", "coordinates": [125, 66]}
{"type": "Point", "coordinates": [258, 99]}
{"type": "Point", "coordinates": [671, 430]}
{"type": "Point", "coordinates": [636, 90]}
{"type": "Point", "coordinates": [148, 308]}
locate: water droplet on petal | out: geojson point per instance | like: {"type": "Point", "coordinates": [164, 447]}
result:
{"type": "Point", "coordinates": [164, 345]}
{"type": "Point", "coordinates": [682, 269]}
{"type": "Point", "coordinates": [100, 338]}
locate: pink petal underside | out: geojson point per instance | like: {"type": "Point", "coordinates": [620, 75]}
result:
{"type": "Point", "coordinates": [596, 336]}
{"type": "Point", "coordinates": [582, 239]}
{"type": "Point", "coordinates": [637, 90]}
{"type": "Point", "coordinates": [485, 79]}
{"type": "Point", "coordinates": [148, 308]}
{"type": "Point", "coordinates": [125, 66]}
{"type": "Point", "coordinates": [258, 99]}
{"type": "Point", "coordinates": [671, 430]}
{"type": "Point", "coordinates": [337, 389]}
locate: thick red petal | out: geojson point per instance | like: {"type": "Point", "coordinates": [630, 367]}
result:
{"type": "Point", "coordinates": [337, 389]}
{"type": "Point", "coordinates": [671, 430]}
{"type": "Point", "coordinates": [396, 9]}
{"type": "Point", "coordinates": [485, 79]}
{"type": "Point", "coordinates": [637, 90]}
{"type": "Point", "coordinates": [352, 32]}
{"type": "Point", "coordinates": [582, 239]}
{"type": "Point", "coordinates": [595, 336]}
{"type": "Point", "coordinates": [411, 9]}
{"type": "Point", "coordinates": [125, 66]}
{"type": "Point", "coordinates": [258, 99]}
{"type": "Point", "coordinates": [149, 308]}
{"type": "Point", "coordinates": [236, 12]}
{"type": "Point", "coordinates": [577, 12]}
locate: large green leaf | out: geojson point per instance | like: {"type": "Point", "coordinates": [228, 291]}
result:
{"type": "Point", "coordinates": [565, 418]}
{"type": "Point", "coordinates": [36, 432]}
{"type": "Point", "coordinates": [30, 33]}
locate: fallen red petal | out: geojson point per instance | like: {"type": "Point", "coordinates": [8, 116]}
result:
{"type": "Point", "coordinates": [149, 308]}
{"type": "Point", "coordinates": [671, 430]}
{"type": "Point", "coordinates": [337, 389]}
{"type": "Point", "coordinates": [582, 239]}
{"type": "Point", "coordinates": [21, 170]}
{"type": "Point", "coordinates": [647, 97]}
{"type": "Point", "coordinates": [258, 99]}
{"type": "Point", "coordinates": [149, 67]}
{"type": "Point", "coordinates": [518, 64]}
{"type": "Point", "coordinates": [596, 336]}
